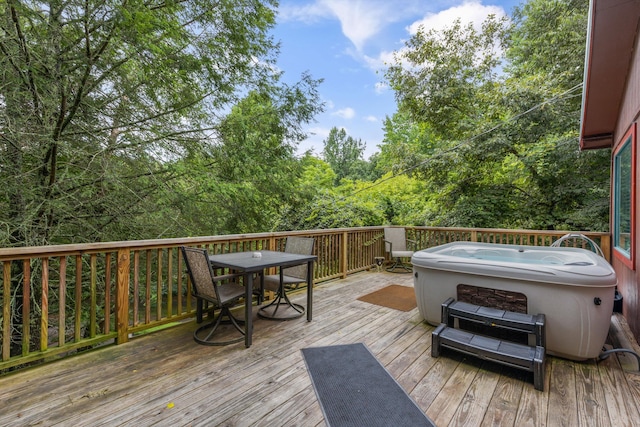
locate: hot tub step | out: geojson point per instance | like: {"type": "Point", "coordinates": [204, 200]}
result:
{"type": "Point", "coordinates": [520, 322]}
{"type": "Point", "coordinates": [530, 358]}
{"type": "Point", "coordinates": [520, 356]}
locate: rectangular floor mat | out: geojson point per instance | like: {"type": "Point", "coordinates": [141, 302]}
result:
{"type": "Point", "coordinates": [354, 389]}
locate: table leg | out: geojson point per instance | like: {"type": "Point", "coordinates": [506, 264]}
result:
{"type": "Point", "coordinates": [309, 290]}
{"type": "Point", "coordinates": [248, 324]}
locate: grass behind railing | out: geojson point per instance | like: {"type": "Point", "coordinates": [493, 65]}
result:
{"type": "Point", "coordinates": [56, 300]}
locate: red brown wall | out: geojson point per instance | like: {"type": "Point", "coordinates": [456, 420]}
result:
{"type": "Point", "coordinates": [629, 280]}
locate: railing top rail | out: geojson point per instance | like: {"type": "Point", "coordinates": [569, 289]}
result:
{"type": "Point", "coordinates": [510, 230]}
{"type": "Point", "coordinates": [8, 254]}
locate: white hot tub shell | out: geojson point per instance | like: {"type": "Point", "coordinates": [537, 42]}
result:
{"type": "Point", "coordinates": [573, 287]}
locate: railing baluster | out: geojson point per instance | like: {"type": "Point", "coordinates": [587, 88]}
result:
{"type": "Point", "coordinates": [136, 288]}
{"type": "Point", "coordinates": [6, 310]}
{"type": "Point", "coordinates": [169, 283]}
{"type": "Point", "coordinates": [107, 294]}
{"type": "Point", "coordinates": [179, 301]}
{"type": "Point", "coordinates": [77, 333]}
{"type": "Point", "coordinates": [62, 301]}
{"type": "Point", "coordinates": [26, 307]}
{"type": "Point", "coordinates": [44, 305]}
{"type": "Point", "coordinates": [147, 298]}
{"type": "Point", "coordinates": [158, 284]}
{"type": "Point", "coordinates": [93, 296]}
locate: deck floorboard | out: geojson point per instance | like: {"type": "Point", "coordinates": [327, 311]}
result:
{"type": "Point", "coordinates": [165, 378]}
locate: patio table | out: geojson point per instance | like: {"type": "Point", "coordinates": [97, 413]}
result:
{"type": "Point", "coordinates": [250, 263]}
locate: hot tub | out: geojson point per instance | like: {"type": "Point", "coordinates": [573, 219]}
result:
{"type": "Point", "coordinates": [573, 287]}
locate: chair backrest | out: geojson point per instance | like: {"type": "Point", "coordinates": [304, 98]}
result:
{"type": "Point", "coordinates": [301, 246]}
{"type": "Point", "coordinates": [201, 273]}
{"type": "Point", "coordinates": [397, 237]}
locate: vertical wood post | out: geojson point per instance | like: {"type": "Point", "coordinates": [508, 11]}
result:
{"type": "Point", "coordinates": [605, 245]}
{"type": "Point", "coordinates": [122, 296]}
{"type": "Point", "coordinates": [344, 247]}
{"type": "Point", "coordinates": [6, 311]}
{"type": "Point", "coordinates": [44, 306]}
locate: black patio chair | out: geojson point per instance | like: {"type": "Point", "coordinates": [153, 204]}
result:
{"type": "Point", "coordinates": [291, 276]}
{"type": "Point", "coordinates": [222, 291]}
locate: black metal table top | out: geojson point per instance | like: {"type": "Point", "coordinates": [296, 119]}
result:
{"type": "Point", "coordinates": [250, 261]}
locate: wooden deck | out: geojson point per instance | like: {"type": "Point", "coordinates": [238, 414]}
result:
{"type": "Point", "coordinates": [165, 378]}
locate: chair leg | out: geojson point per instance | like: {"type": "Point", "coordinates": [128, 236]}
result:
{"type": "Point", "coordinates": [207, 340]}
{"type": "Point", "coordinates": [281, 299]}
{"type": "Point", "coordinates": [399, 264]}
{"type": "Point", "coordinates": [261, 290]}
{"type": "Point", "coordinates": [199, 306]}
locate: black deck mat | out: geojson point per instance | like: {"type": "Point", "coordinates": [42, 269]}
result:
{"type": "Point", "coordinates": [354, 389]}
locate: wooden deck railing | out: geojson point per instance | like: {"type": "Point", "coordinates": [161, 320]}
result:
{"type": "Point", "coordinates": [56, 300]}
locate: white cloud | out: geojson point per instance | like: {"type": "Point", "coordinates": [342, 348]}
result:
{"type": "Point", "coordinates": [378, 64]}
{"type": "Point", "coordinates": [372, 119]}
{"type": "Point", "coordinates": [315, 140]}
{"type": "Point", "coordinates": [345, 113]}
{"type": "Point", "coordinates": [381, 87]}
{"type": "Point", "coordinates": [471, 11]}
{"type": "Point", "coordinates": [329, 105]}
{"type": "Point", "coordinates": [308, 13]}
{"type": "Point", "coordinates": [360, 20]}
{"type": "Point", "coordinates": [318, 132]}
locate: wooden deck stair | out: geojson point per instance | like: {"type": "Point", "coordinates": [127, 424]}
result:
{"type": "Point", "coordinates": [505, 352]}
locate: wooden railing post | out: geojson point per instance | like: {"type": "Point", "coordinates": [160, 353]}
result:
{"type": "Point", "coordinates": [605, 245]}
{"type": "Point", "coordinates": [122, 296]}
{"type": "Point", "coordinates": [344, 254]}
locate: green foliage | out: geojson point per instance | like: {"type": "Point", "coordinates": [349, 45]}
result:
{"type": "Point", "coordinates": [344, 155]}
{"type": "Point", "coordinates": [549, 39]}
{"type": "Point", "coordinates": [353, 203]}
{"type": "Point", "coordinates": [98, 95]}
{"type": "Point", "coordinates": [242, 183]}
{"type": "Point", "coordinates": [447, 76]}
{"type": "Point", "coordinates": [123, 121]}
{"type": "Point", "coordinates": [499, 149]}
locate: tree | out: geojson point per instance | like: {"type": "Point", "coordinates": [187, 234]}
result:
{"type": "Point", "coordinates": [253, 169]}
{"type": "Point", "coordinates": [502, 147]}
{"type": "Point", "coordinates": [353, 203]}
{"type": "Point", "coordinates": [109, 109]}
{"type": "Point", "coordinates": [441, 77]}
{"type": "Point", "coordinates": [96, 97]}
{"type": "Point", "coordinates": [343, 153]}
{"type": "Point", "coordinates": [406, 143]}
{"type": "Point", "coordinates": [545, 61]}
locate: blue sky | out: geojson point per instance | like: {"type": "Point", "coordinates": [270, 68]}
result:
{"type": "Point", "coordinates": [347, 42]}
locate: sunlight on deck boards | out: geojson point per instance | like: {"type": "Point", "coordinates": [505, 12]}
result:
{"type": "Point", "coordinates": [166, 379]}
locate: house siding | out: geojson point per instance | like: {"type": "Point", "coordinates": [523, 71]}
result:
{"type": "Point", "coordinates": [628, 279]}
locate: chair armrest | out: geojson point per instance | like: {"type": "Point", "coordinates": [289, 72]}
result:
{"type": "Point", "coordinates": [226, 277]}
{"type": "Point", "coordinates": [413, 243]}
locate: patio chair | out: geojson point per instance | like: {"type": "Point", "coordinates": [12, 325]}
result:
{"type": "Point", "coordinates": [291, 276]}
{"type": "Point", "coordinates": [222, 291]}
{"type": "Point", "coordinates": [395, 244]}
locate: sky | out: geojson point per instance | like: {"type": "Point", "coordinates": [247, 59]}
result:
{"type": "Point", "coordinates": [347, 43]}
